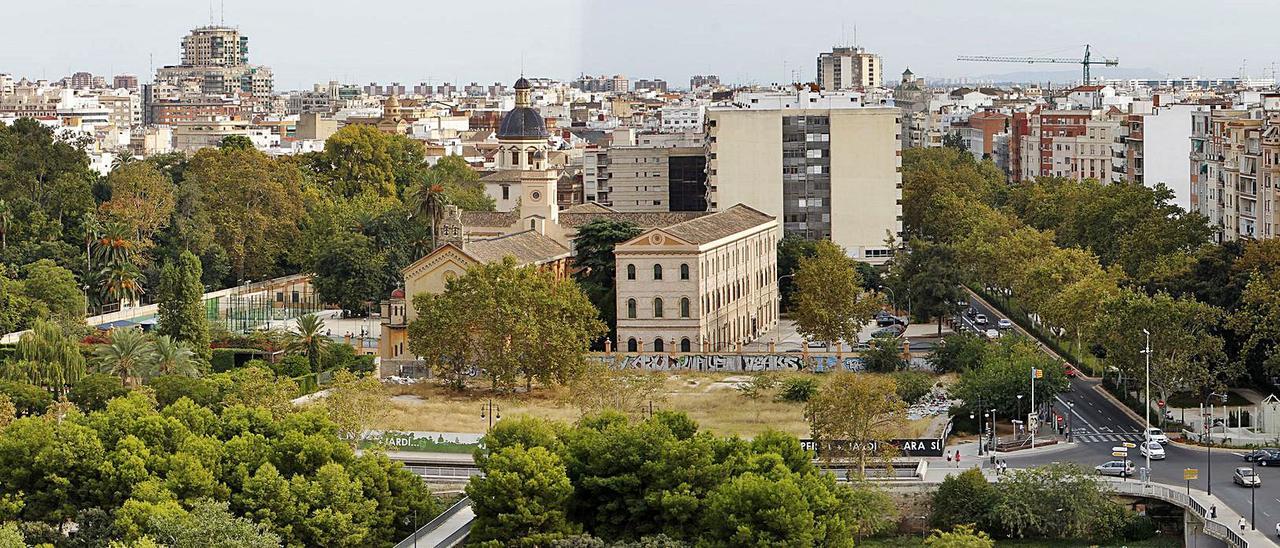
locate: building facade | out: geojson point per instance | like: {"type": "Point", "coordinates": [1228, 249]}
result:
{"type": "Point", "coordinates": [824, 172]}
{"type": "Point", "coordinates": [1235, 169]}
{"type": "Point", "coordinates": [846, 67]}
{"type": "Point", "coordinates": [707, 284]}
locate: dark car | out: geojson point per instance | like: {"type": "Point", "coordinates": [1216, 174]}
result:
{"type": "Point", "coordinates": [1253, 455]}
{"type": "Point", "coordinates": [885, 320]}
{"type": "Point", "coordinates": [1267, 458]}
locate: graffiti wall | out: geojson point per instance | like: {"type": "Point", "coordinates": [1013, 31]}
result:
{"type": "Point", "coordinates": [732, 362]}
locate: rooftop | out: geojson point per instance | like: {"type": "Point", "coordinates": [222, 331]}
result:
{"type": "Point", "coordinates": [709, 228]}
{"type": "Point", "coordinates": [528, 247]}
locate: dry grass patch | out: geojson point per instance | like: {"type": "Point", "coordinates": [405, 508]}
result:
{"type": "Point", "coordinates": [711, 399]}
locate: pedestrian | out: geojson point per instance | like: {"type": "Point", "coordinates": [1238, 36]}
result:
{"type": "Point", "coordinates": [1242, 523]}
{"type": "Point", "coordinates": [1278, 529]}
{"type": "Point", "coordinates": [957, 457]}
{"type": "Point", "coordinates": [948, 457]}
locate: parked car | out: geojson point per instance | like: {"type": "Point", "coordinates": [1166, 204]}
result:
{"type": "Point", "coordinates": [992, 334]}
{"type": "Point", "coordinates": [892, 331]}
{"type": "Point", "coordinates": [883, 320]}
{"type": "Point", "coordinates": [1245, 477]}
{"type": "Point", "coordinates": [1152, 449]}
{"type": "Point", "coordinates": [980, 319]}
{"type": "Point", "coordinates": [1118, 468]}
{"type": "Point", "coordinates": [1004, 323]}
{"type": "Point", "coordinates": [815, 344]}
{"type": "Point", "coordinates": [1268, 458]}
{"type": "Point", "coordinates": [971, 312]}
{"type": "Point", "coordinates": [1069, 371]}
{"type": "Point", "coordinates": [1253, 455]}
{"type": "Point", "coordinates": [1157, 435]}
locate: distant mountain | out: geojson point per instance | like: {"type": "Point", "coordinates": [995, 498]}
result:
{"type": "Point", "coordinates": [1056, 77]}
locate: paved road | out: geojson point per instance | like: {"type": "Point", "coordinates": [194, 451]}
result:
{"type": "Point", "coordinates": [1098, 424]}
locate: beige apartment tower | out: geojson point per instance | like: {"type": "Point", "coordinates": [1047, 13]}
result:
{"type": "Point", "coordinates": [849, 68]}
{"type": "Point", "coordinates": [824, 173]}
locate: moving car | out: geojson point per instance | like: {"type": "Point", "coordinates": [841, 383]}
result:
{"type": "Point", "coordinates": [992, 334]}
{"type": "Point", "coordinates": [1245, 477]}
{"type": "Point", "coordinates": [971, 312]}
{"type": "Point", "coordinates": [1157, 435]}
{"type": "Point", "coordinates": [1152, 449]}
{"type": "Point", "coordinates": [980, 319]}
{"type": "Point", "coordinates": [1004, 323]}
{"type": "Point", "coordinates": [1069, 371]}
{"type": "Point", "coordinates": [1118, 468]}
{"type": "Point", "coordinates": [1268, 458]}
{"type": "Point", "coordinates": [1253, 455]}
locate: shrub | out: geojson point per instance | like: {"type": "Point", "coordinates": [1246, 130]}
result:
{"type": "Point", "coordinates": [93, 391]}
{"type": "Point", "coordinates": [913, 385]}
{"type": "Point", "coordinates": [798, 389]}
{"type": "Point", "coordinates": [171, 388]}
{"type": "Point", "coordinates": [28, 399]}
{"type": "Point", "coordinates": [293, 365]}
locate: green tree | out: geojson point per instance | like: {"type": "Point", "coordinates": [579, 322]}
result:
{"type": "Point", "coordinates": [472, 326]}
{"type": "Point", "coordinates": [854, 415]}
{"type": "Point", "coordinates": [55, 290]}
{"type": "Point", "coordinates": [522, 498]}
{"type": "Point", "coordinates": [53, 464]}
{"type": "Point", "coordinates": [954, 140]}
{"type": "Point", "coordinates": [209, 523]}
{"type": "Point", "coordinates": [27, 398]}
{"type": "Point", "coordinates": [756, 510]}
{"type": "Point", "coordinates": [965, 498]}
{"type": "Point", "coordinates": [791, 249]}
{"type": "Point", "coordinates": [354, 404]}
{"type": "Point", "coordinates": [128, 354]}
{"type": "Point", "coordinates": [47, 356]}
{"type": "Point", "coordinates": [957, 353]}
{"type": "Point", "coordinates": [349, 273]}
{"type": "Point", "coordinates": [1055, 501]}
{"type": "Point", "coordinates": [174, 358]}
{"type": "Point", "coordinates": [93, 391]}
{"type": "Point", "coordinates": [237, 142]}
{"type": "Point", "coordinates": [181, 304]}
{"type": "Point", "coordinates": [962, 536]}
{"type": "Point", "coordinates": [597, 271]}
{"type": "Point", "coordinates": [461, 183]}
{"type": "Point", "coordinates": [830, 303]}
{"type": "Point", "coordinates": [1006, 372]}
{"type": "Point", "coordinates": [142, 198]}
{"type": "Point", "coordinates": [1186, 351]}
{"type": "Point", "coordinates": [932, 277]}
{"type": "Point", "coordinates": [357, 159]}
{"type": "Point", "coordinates": [310, 340]}
{"type": "Point", "coordinates": [884, 354]}
{"type": "Point", "coordinates": [913, 385]}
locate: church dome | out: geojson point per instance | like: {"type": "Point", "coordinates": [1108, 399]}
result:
{"type": "Point", "coordinates": [522, 123]}
{"type": "Point", "coordinates": [523, 84]}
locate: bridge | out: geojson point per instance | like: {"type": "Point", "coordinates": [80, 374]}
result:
{"type": "Point", "coordinates": [1204, 515]}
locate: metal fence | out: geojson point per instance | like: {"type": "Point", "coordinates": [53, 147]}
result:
{"type": "Point", "coordinates": [1172, 494]}
{"type": "Point", "coordinates": [461, 473]}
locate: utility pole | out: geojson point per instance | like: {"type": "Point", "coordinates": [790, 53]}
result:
{"type": "Point", "coordinates": [1146, 404]}
{"type": "Point", "coordinates": [1030, 427]}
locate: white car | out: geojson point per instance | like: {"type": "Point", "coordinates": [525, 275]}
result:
{"type": "Point", "coordinates": [1157, 435]}
{"type": "Point", "coordinates": [980, 319]}
{"type": "Point", "coordinates": [992, 334]}
{"type": "Point", "coordinates": [1152, 449]}
{"type": "Point", "coordinates": [1004, 323]}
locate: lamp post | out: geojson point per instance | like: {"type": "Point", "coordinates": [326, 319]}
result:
{"type": "Point", "coordinates": [995, 436]}
{"type": "Point", "coordinates": [1146, 405]}
{"type": "Point", "coordinates": [893, 297]}
{"type": "Point", "coordinates": [1019, 413]}
{"type": "Point", "coordinates": [491, 412]}
{"type": "Point", "coordinates": [1071, 409]}
{"type": "Point", "coordinates": [1253, 513]}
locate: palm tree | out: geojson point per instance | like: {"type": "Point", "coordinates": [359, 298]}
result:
{"type": "Point", "coordinates": [114, 245]}
{"type": "Point", "coordinates": [426, 200]}
{"type": "Point", "coordinates": [129, 353]}
{"type": "Point", "coordinates": [6, 217]}
{"type": "Point", "coordinates": [121, 282]}
{"type": "Point", "coordinates": [310, 340]}
{"type": "Point", "coordinates": [175, 358]}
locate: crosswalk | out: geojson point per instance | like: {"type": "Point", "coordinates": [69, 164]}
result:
{"type": "Point", "coordinates": [1108, 438]}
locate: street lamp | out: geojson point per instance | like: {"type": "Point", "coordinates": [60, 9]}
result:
{"type": "Point", "coordinates": [1253, 514]}
{"type": "Point", "coordinates": [1146, 404]}
{"type": "Point", "coordinates": [491, 412]}
{"type": "Point", "coordinates": [892, 296]}
{"type": "Point", "coordinates": [995, 435]}
{"type": "Point", "coordinates": [1019, 413]}
{"type": "Point", "coordinates": [1071, 409]}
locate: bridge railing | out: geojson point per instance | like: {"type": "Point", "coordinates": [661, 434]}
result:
{"type": "Point", "coordinates": [459, 506]}
{"type": "Point", "coordinates": [1212, 526]}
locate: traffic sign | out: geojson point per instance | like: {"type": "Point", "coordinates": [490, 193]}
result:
{"type": "Point", "coordinates": [1130, 445]}
{"type": "Point", "coordinates": [1160, 403]}
{"type": "Point", "coordinates": [1120, 454]}
{"type": "Point", "coordinates": [1190, 474]}
{"type": "Point", "coordinates": [1120, 449]}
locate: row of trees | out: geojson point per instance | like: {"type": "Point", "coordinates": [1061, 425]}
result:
{"type": "Point", "coordinates": [360, 210]}
{"type": "Point", "coordinates": [1095, 264]}
{"type": "Point", "coordinates": [661, 482]}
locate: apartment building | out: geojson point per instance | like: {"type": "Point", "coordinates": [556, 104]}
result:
{"type": "Point", "coordinates": [706, 284]}
{"type": "Point", "coordinates": [656, 172]}
{"type": "Point", "coordinates": [846, 67]}
{"type": "Point", "coordinates": [1157, 143]}
{"type": "Point", "coordinates": [823, 164]}
{"type": "Point", "coordinates": [1076, 144]}
{"type": "Point", "coordinates": [1235, 168]}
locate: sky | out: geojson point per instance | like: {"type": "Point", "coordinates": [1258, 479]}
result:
{"type": "Point", "coordinates": [743, 41]}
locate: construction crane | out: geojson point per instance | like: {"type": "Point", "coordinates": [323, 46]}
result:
{"type": "Point", "coordinates": [1084, 63]}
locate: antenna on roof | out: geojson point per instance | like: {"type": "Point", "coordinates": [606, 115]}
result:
{"type": "Point", "coordinates": [855, 35]}
{"type": "Point", "coordinates": [222, 15]}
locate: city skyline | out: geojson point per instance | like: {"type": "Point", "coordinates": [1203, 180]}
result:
{"type": "Point", "coordinates": [406, 42]}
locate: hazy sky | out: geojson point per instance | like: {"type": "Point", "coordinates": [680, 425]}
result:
{"type": "Point", "coordinates": [410, 41]}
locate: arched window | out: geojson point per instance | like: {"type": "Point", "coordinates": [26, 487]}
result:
{"type": "Point", "coordinates": [657, 272]}
{"type": "Point", "coordinates": [684, 344]}
{"type": "Point", "coordinates": [657, 307]}
{"type": "Point", "coordinates": [515, 157]}
{"type": "Point", "coordinates": [631, 344]}
{"type": "Point", "coordinates": [631, 272]}
{"type": "Point", "coordinates": [530, 156]}
{"type": "Point", "coordinates": [684, 307]}
{"type": "Point", "coordinates": [631, 308]}
{"type": "Point", "coordinates": [684, 271]}
{"type": "Point", "coordinates": [657, 345]}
